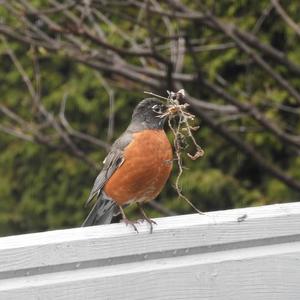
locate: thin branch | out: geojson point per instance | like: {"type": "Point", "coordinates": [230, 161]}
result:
{"type": "Point", "coordinates": [247, 107]}
{"type": "Point", "coordinates": [13, 116]}
{"type": "Point", "coordinates": [286, 17]}
{"type": "Point", "coordinates": [247, 149]}
{"type": "Point", "coordinates": [17, 132]}
{"type": "Point", "coordinates": [245, 36]}
{"type": "Point", "coordinates": [228, 30]}
{"type": "Point", "coordinates": [20, 69]}
{"type": "Point", "coordinates": [111, 95]}
{"type": "Point", "coordinates": [76, 133]}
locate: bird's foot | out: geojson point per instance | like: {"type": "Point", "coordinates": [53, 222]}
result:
{"type": "Point", "coordinates": [132, 223]}
{"type": "Point", "coordinates": [149, 221]}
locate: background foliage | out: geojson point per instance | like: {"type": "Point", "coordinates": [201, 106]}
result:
{"type": "Point", "coordinates": [103, 57]}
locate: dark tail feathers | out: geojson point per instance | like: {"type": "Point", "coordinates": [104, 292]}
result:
{"type": "Point", "coordinates": [101, 213]}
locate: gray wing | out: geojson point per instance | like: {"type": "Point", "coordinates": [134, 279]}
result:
{"type": "Point", "coordinates": [112, 162]}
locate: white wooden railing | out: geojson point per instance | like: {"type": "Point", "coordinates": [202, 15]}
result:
{"type": "Point", "coordinates": [250, 253]}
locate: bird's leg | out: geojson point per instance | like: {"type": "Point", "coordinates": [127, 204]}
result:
{"type": "Point", "coordinates": [145, 217]}
{"type": "Point", "coordinates": [126, 221]}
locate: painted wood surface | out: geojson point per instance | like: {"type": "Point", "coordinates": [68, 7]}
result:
{"type": "Point", "coordinates": [249, 253]}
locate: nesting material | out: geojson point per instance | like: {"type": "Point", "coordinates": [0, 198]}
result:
{"type": "Point", "coordinates": [180, 124]}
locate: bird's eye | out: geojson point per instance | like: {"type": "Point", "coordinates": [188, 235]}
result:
{"type": "Point", "coordinates": [157, 108]}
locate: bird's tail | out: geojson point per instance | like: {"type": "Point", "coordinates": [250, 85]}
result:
{"type": "Point", "coordinates": [101, 213]}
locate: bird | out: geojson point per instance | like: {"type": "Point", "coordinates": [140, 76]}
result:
{"type": "Point", "coordinates": [135, 169]}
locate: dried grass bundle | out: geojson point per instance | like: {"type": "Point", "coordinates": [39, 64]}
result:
{"type": "Point", "coordinates": [179, 122]}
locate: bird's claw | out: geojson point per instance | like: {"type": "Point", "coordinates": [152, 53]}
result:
{"type": "Point", "coordinates": [132, 223]}
{"type": "Point", "coordinates": [149, 221]}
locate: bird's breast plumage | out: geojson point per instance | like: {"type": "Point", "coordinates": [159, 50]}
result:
{"type": "Point", "coordinates": [145, 170]}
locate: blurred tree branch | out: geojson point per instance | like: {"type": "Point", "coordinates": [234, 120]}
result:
{"type": "Point", "coordinates": [286, 17]}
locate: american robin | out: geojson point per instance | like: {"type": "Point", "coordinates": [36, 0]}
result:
{"type": "Point", "coordinates": [136, 168]}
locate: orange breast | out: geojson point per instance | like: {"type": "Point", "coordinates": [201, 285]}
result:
{"type": "Point", "coordinates": [146, 168]}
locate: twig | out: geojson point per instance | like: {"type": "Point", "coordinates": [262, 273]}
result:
{"type": "Point", "coordinates": [80, 135]}
{"type": "Point", "coordinates": [286, 17]}
{"type": "Point", "coordinates": [17, 133]}
{"type": "Point", "coordinates": [111, 96]}
{"type": "Point", "coordinates": [181, 130]}
{"type": "Point", "coordinates": [184, 119]}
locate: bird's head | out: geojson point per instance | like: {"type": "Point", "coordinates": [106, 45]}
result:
{"type": "Point", "coordinates": [150, 113]}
